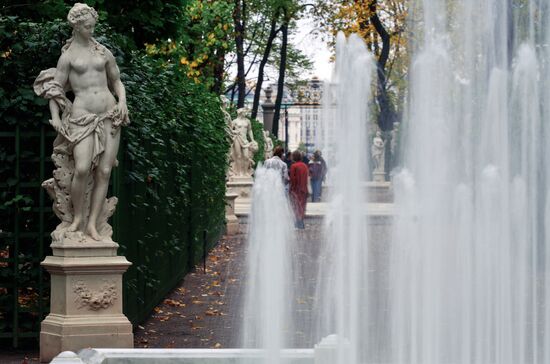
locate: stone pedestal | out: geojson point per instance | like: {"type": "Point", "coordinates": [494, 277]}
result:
{"type": "Point", "coordinates": [379, 176]}
{"type": "Point", "coordinates": [379, 192]}
{"type": "Point", "coordinates": [86, 299]}
{"type": "Point", "coordinates": [268, 108]}
{"type": "Point", "coordinates": [231, 220]}
{"type": "Point", "coordinates": [242, 187]}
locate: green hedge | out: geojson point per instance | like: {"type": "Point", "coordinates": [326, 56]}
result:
{"type": "Point", "coordinates": [170, 181]}
{"type": "Point", "coordinates": [258, 131]}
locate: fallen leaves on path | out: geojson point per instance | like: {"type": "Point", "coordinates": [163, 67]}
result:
{"type": "Point", "coordinates": [191, 315]}
{"type": "Point", "coordinates": [174, 303]}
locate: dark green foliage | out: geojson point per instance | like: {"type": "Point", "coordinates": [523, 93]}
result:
{"type": "Point", "coordinates": [25, 212]}
{"type": "Point", "coordinates": [35, 10]}
{"type": "Point", "coordinates": [170, 181]}
{"type": "Point", "coordinates": [24, 52]}
{"type": "Point", "coordinates": [258, 130]}
{"type": "Point", "coordinates": [143, 21]}
{"type": "Point", "coordinates": [174, 187]}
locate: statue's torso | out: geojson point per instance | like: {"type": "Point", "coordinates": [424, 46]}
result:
{"type": "Point", "coordinates": [88, 78]}
{"type": "Point", "coordinates": [240, 126]}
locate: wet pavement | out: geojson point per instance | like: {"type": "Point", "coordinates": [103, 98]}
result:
{"type": "Point", "coordinates": [206, 309]}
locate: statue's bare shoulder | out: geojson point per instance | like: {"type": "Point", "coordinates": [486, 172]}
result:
{"type": "Point", "coordinates": [112, 68]}
{"type": "Point", "coordinates": [62, 69]}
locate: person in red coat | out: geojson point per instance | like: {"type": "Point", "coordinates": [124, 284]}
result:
{"type": "Point", "coordinates": [298, 188]}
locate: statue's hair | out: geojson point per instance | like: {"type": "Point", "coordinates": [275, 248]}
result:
{"type": "Point", "coordinates": [243, 110]}
{"type": "Point", "coordinates": [79, 13]}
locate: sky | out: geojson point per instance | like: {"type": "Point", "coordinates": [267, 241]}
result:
{"type": "Point", "coordinates": [316, 49]}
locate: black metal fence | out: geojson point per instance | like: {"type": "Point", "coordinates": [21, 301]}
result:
{"type": "Point", "coordinates": [161, 251]}
{"type": "Point", "coordinates": [26, 220]}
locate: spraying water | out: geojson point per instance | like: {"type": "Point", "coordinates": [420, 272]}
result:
{"type": "Point", "coordinates": [269, 290]}
{"type": "Point", "coordinates": [344, 276]}
{"type": "Point", "coordinates": [471, 249]}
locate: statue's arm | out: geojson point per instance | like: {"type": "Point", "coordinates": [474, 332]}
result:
{"type": "Point", "coordinates": [114, 76]}
{"type": "Point", "coordinates": [61, 77]}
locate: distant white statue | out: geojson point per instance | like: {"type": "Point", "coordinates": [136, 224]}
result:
{"type": "Point", "coordinates": [243, 147]}
{"type": "Point", "coordinates": [377, 151]}
{"type": "Point", "coordinates": [268, 145]}
{"type": "Point", "coordinates": [88, 130]}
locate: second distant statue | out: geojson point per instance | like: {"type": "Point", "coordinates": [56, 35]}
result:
{"type": "Point", "coordinates": [243, 146]}
{"type": "Point", "coordinates": [268, 145]}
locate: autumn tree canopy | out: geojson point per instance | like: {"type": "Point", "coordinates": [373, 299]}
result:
{"type": "Point", "coordinates": [381, 23]}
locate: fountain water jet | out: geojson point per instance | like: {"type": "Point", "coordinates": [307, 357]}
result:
{"type": "Point", "coordinates": [470, 257]}
{"type": "Point", "coordinates": [270, 267]}
{"type": "Point", "coordinates": [344, 277]}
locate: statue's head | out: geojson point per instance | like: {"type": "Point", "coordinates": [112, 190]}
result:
{"type": "Point", "coordinates": [83, 19]}
{"type": "Point", "coordinates": [266, 133]}
{"type": "Point", "coordinates": [225, 101]}
{"type": "Point", "coordinates": [379, 134]}
{"type": "Point", "coordinates": [242, 112]}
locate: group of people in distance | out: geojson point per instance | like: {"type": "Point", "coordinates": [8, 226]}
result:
{"type": "Point", "coordinates": [295, 169]}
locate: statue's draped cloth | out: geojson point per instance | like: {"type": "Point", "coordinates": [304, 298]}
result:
{"type": "Point", "coordinates": [74, 130]}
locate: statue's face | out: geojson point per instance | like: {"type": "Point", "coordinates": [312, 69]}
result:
{"type": "Point", "coordinates": [86, 28]}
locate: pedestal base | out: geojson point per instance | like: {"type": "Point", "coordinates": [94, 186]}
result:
{"type": "Point", "coordinates": [233, 227]}
{"type": "Point", "coordinates": [71, 333]}
{"type": "Point", "coordinates": [85, 303]}
{"type": "Point", "coordinates": [231, 220]}
{"type": "Point", "coordinates": [379, 176]}
{"type": "Point", "coordinates": [242, 187]}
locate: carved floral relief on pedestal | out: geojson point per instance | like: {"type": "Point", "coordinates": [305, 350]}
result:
{"type": "Point", "coordinates": [95, 299]}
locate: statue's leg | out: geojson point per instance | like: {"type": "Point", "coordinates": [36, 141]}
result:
{"type": "Point", "coordinates": [101, 178]}
{"type": "Point", "coordinates": [82, 154]}
{"type": "Point", "coordinates": [238, 159]}
{"type": "Point", "coordinates": [246, 161]}
{"type": "Point", "coordinates": [234, 160]}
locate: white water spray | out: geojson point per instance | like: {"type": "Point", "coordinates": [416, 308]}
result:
{"type": "Point", "coordinates": [345, 277]}
{"type": "Point", "coordinates": [269, 291]}
{"type": "Point", "coordinates": [470, 253]}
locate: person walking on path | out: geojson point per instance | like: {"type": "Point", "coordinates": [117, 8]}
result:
{"type": "Point", "coordinates": [288, 159]}
{"type": "Point", "coordinates": [324, 173]}
{"type": "Point", "coordinates": [298, 188]}
{"type": "Point", "coordinates": [277, 163]}
{"type": "Point", "coordinates": [316, 176]}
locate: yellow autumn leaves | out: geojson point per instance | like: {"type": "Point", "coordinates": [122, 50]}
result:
{"type": "Point", "coordinates": [205, 38]}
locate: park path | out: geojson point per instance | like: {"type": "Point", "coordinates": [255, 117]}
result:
{"type": "Point", "coordinates": [206, 309]}
{"type": "Point", "coordinates": [203, 310]}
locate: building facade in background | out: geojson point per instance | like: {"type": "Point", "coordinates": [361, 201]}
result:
{"type": "Point", "coordinates": [305, 117]}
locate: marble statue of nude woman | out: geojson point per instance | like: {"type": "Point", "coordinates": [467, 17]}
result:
{"type": "Point", "coordinates": [88, 129]}
{"type": "Point", "coordinates": [243, 147]}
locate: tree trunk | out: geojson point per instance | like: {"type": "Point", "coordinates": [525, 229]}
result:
{"type": "Point", "coordinates": [281, 81]}
{"type": "Point", "coordinates": [269, 45]}
{"type": "Point", "coordinates": [387, 112]}
{"type": "Point", "coordinates": [218, 71]}
{"type": "Point", "coordinates": [238, 20]}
